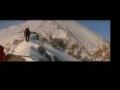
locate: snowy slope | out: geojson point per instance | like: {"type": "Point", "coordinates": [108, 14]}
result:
{"type": "Point", "coordinates": [62, 56]}
{"type": "Point", "coordinates": [29, 51]}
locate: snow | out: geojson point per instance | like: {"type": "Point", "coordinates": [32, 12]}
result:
{"type": "Point", "coordinates": [29, 49]}
{"type": "Point", "coordinates": [62, 56]}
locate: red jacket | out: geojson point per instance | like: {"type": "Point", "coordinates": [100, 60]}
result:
{"type": "Point", "coordinates": [2, 54]}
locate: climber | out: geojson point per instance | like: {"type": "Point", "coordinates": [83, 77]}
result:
{"type": "Point", "coordinates": [27, 34]}
{"type": "Point", "coordinates": [2, 54]}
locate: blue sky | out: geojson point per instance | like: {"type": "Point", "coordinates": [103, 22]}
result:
{"type": "Point", "coordinates": [101, 27]}
{"type": "Point", "coordinates": [7, 23]}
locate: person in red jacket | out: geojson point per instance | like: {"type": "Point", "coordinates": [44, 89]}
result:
{"type": "Point", "coordinates": [2, 54]}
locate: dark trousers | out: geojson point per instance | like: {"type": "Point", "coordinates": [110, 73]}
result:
{"type": "Point", "coordinates": [27, 38]}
